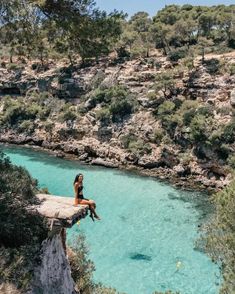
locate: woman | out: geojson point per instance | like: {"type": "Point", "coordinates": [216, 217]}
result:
{"type": "Point", "coordinates": [79, 199]}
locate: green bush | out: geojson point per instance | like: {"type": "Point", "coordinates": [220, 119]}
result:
{"type": "Point", "coordinates": [232, 69]}
{"type": "Point", "coordinates": [106, 96]}
{"type": "Point", "coordinates": [212, 66]}
{"type": "Point", "coordinates": [220, 236]}
{"type": "Point", "coordinates": [206, 111]}
{"type": "Point", "coordinates": [228, 135]}
{"type": "Point", "coordinates": [48, 126]}
{"type": "Point", "coordinates": [158, 135]}
{"type": "Point", "coordinates": [26, 126]}
{"type": "Point", "coordinates": [120, 108]}
{"type": "Point", "coordinates": [117, 101]}
{"type": "Point", "coordinates": [17, 111]}
{"type": "Point", "coordinates": [177, 54]}
{"type": "Point", "coordinates": [14, 114]}
{"type": "Point", "coordinates": [21, 232]}
{"type": "Point", "coordinates": [135, 145]}
{"type": "Point", "coordinates": [103, 115]}
{"type": "Point", "coordinates": [166, 107]}
{"type": "Point", "coordinates": [198, 127]}
{"type": "Point", "coordinates": [231, 161]}
{"type": "Point", "coordinates": [68, 115]}
{"type": "Point", "coordinates": [17, 226]}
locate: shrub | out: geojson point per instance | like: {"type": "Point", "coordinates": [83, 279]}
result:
{"type": "Point", "coordinates": [216, 136]}
{"type": "Point", "coordinates": [223, 151]}
{"type": "Point", "coordinates": [135, 145]}
{"type": "Point", "coordinates": [176, 54]}
{"type": "Point", "coordinates": [166, 107]}
{"type": "Point", "coordinates": [220, 236]}
{"type": "Point", "coordinates": [232, 69]}
{"type": "Point", "coordinates": [229, 132]}
{"type": "Point", "coordinates": [17, 226]}
{"type": "Point", "coordinates": [231, 161]}
{"type": "Point", "coordinates": [123, 52]}
{"type": "Point", "coordinates": [68, 115]}
{"type": "Point", "coordinates": [15, 113]}
{"type": "Point", "coordinates": [165, 82]}
{"type": "Point", "coordinates": [212, 65]}
{"type": "Point", "coordinates": [188, 110]}
{"type": "Point", "coordinates": [107, 95]}
{"type": "Point", "coordinates": [205, 111]}
{"type": "Point", "coordinates": [26, 126]}
{"type": "Point", "coordinates": [158, 135]}
{"type": "Point", "coordinates": [103, 115]}
{"type": "Point", "coordinates": [198, 128]}
{"type": "Point", "coordinates": [117, 99]}
{"type": "Point", "coordinates": [49, 126]}
{"type": "Point", "coordinates": [120, 108]}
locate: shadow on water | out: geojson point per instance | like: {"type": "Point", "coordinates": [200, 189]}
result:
{"type": "Point", "coordinates": [140, 256]}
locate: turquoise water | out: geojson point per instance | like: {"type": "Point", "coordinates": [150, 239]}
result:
{"type": "Point", "coordinates": [147, 227]}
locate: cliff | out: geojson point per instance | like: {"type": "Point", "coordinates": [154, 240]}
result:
{"type": "Point", "coordinates": [180, 125]}
{"type": "Point", "coordinates": [49, 272]}
{"type": "Point", "coordinates": [53, 273]}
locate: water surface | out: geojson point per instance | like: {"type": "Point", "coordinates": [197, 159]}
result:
{"type": "Point", "coordinates": [145, 241]}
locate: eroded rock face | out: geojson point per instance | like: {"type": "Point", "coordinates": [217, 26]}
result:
{"type": "Point", "coordinates": [232, 98]}
{"type": "Point", "coordinates": [103, 143]}
{"type": "Point", "coordinates": [53, 274]}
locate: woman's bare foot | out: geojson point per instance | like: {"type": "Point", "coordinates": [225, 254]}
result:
{"type": "Point", "coordinates": [97, 217]}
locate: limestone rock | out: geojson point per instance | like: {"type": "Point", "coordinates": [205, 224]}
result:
{"type": "Point", "coordinates": [53, 275]}
{"type": "Point", "coordinates": [60, 209]}
{"type": "Point", "coordinates": [232, 98]}
{"type": "Point", "coordinates": [102, 162]}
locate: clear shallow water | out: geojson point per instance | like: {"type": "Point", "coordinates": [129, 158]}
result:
{"type": "Point", "coordinates": [147, 227]}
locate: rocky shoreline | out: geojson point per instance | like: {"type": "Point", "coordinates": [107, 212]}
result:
{"type": "Point", "coordinates": [141, 141]}
{"type": "Point", "coordinates": [177, 177]}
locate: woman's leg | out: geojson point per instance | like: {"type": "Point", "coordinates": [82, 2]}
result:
{"type": "Point", "coordinates": [92, 206]}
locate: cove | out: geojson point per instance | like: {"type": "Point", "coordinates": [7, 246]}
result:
{"type": "Point", "coordinates": [146, 239]}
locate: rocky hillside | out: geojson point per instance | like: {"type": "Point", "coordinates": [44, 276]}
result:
{"type": "Point", "coordinates": [173, 120]}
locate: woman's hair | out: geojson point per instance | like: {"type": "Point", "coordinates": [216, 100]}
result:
{"type": "Point", "coordinates": [76, 178]}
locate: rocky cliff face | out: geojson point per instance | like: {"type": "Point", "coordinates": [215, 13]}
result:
{"type": "Point", "coordinates": [90, 140]}
{"type": "Point", "coordinates": [53, 274]}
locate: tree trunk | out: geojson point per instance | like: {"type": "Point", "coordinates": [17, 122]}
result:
{"type": "Point", "coordinates": [203, 54]}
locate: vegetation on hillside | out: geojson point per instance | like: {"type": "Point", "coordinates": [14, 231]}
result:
{"type": "Point", "coordinates": [21, 232]}
{"type": "Point", "coordinates": [220, 236]}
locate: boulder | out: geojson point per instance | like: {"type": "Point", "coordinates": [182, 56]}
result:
{"type": "Point", "coordinates": [102, 162]}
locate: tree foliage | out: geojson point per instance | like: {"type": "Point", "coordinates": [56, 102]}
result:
{"type": "Point", "coordinates": [17, 190]}
{"type": "Point", "coordinates": [220, 238]}
{"type": "Point", "coordinates": [34, 28]}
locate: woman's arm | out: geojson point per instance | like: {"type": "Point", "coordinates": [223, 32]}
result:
{"type": "Point", "coordinates": [76, 185]}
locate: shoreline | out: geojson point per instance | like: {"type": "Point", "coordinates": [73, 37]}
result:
{"type": "Point", "coordinates": [160, 174]}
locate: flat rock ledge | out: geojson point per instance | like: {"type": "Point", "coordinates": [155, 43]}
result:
{"type": "Point", "coordinates": [60, 211]}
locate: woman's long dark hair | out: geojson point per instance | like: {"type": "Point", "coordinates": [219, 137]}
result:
{"type": "Point", "coordinates": [76, 178]}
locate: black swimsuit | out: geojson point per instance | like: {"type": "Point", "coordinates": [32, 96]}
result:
{"type": "Point", "coordinates": [80, 196]}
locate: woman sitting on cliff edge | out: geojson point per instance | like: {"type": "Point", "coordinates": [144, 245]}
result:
{"type": "Point", "coordinates": [79, 199]}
